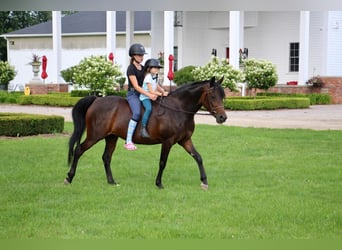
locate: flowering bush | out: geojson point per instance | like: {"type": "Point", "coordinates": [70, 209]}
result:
{"type": "Point", "coordinates": [97, 74]}
{"type": "Point", "coordinates": [260, 74]}
{"type": "Point", "coordinates": [219, 68]}
{"type": "Point", "coordinates": [7, 73]}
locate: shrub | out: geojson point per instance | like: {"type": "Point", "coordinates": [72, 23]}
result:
{"type": "Point", "coordinates": [83, 93]}
{"type": "Point", "coordinates": [259, 74]}
{"type": "Point", "coordinates": [219, 68]}
{"type": "Point", "coordinates": [314, 98]}
{"type": "Point", "coordinates": [184, 75]}
{"type": "Point", "coordinates": [320, 98]}
{"type": "Point", "coordinates": [245, 103]}
{"type": "Point", "coordinates": [7, 73]}
{"type": "Point", "coordinates": [10, 97]}
{"type": "Point", "coordinates": [67, 74]}
{"type": "Point", "coordinates": [13, 124]}
{"type": "Point", "coordinates": [48, 100]}
{"type": "Point", "coordinates": [95, 73]}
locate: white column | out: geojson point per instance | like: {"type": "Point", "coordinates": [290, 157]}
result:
{"type": "Point", "coordinates": [242, 85]}
{"type": "Point", "coordinates": [234, 38]}
{"type": "Point", "coordinates": [303, 73]}
{"type": "Point", "coordinates": [129, 35]}
{"type": "Point", "coordinates": [168, 42]}
{"type": "Point", "coordinates": [242, 30]}
{"type": "Point", "coordinates": [111, 32]}
{"type": "Point", "coordinates": [324, 37]}
{"type": "Point", "coordinates": [57, 46]}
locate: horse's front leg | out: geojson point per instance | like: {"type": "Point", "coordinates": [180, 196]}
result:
{"type": "Point", "coordinates": [189, 147]}
{"type": "Point", "coordinates": [107, 157]}
{"type": "Point", "coordinates": [165, 150]}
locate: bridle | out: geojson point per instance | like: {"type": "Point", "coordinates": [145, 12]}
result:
{"type": "Point", "coordinates": [213, 110]}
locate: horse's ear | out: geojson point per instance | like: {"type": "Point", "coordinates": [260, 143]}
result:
{"type": "Point", "coordinates": [221, 80]}
{"type": "Point", "coordinates": [212, 81]}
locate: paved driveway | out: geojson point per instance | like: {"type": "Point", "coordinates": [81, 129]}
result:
{"type": "Point", "coordinates": [317, 117]}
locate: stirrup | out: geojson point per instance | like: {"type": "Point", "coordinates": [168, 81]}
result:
{"type": "Point", "coordinates": [130, 146]}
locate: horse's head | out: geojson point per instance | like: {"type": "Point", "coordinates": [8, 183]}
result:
{"type": "Point", "coordinates": [213, 100]}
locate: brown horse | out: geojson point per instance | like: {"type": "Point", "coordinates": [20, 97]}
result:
{"type": "Point", "coordinates": [171, 121]}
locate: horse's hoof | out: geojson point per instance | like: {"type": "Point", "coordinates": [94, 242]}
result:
{"type": "Point", "coordinates": [66, 182]}
{"type": "Point", "coordinates": [160, 187]}
{"type": "Point", "coordinates": [204, 186]}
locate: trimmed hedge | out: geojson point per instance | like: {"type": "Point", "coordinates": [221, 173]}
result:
{"type": "Point", "coordinates": [314, 98]}
{"type": "Point", "coordinates": [50, 100]}
{"type": "Point", "coordinates": [259, 103]}
{"type": "Point", "coordinates": [19, 124]}
{"type": "Point", "coordinates": [9, 97]}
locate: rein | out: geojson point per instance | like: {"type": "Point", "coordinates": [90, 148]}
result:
{"type": "Point", "coordinates": [174, 109]}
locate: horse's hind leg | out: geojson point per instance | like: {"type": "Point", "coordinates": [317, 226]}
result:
{"type": "Point", "coordinates": [189, 147]}
{"type": "Point", "coordinates": [80, 149]}
{"type": "Point", "coordinates": [107, 157]}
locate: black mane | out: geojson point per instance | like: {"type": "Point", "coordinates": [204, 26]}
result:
{"type": "Point", "coordinates": [192, 85]}
{"type": "Point", "coordinates": [188, 86]}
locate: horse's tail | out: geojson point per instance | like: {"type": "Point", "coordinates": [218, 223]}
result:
{"type": "Point", "coordinates": [78, 116]}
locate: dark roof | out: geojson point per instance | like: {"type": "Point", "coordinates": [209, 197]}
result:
{"type": "Point", "coordinates": [89, 22]}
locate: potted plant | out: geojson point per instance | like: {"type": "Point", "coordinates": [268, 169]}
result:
{"type": "Point", "coordinates": [7, 74]}
{"type": "Point", "coordinates": [315, 82]}
{"type": "Point", "coordinates": [35, 63]}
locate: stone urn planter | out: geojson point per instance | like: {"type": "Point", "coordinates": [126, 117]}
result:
{"type": "Point", "coordinates": [36, 63]}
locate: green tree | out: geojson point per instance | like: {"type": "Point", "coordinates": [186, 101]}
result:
{"type": "Point", "coordinates": [15, 20]}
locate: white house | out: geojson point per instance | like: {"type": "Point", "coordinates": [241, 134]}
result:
{"type": "Point", "coordinates": [300, 43]}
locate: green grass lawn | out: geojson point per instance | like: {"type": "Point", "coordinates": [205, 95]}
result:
{"type": "Point", "coordinates": [263, 184]}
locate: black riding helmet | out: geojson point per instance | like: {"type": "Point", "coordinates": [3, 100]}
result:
{"type": "Point", "coordinates": [152, 63]}
{"type": "Point", "coordinates": [136, 49]}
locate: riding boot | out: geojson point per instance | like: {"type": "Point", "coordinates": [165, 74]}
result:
{"type": "Point", "coordinates": [144, 132]}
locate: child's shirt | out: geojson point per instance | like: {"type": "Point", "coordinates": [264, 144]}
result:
{"type": "Point", "coordinates": [149, 78]}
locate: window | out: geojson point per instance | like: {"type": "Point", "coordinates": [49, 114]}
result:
{"type": "Point", "coordinates": [175, 54]}
{"type": "Point", "coordinates": [294, 57]}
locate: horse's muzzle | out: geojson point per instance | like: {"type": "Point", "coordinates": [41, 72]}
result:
{"type": "Point", "coordinates": [221, 118]}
